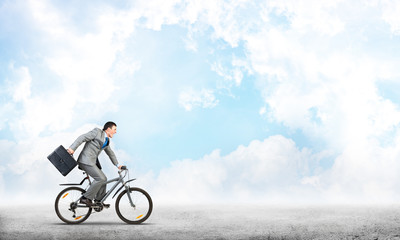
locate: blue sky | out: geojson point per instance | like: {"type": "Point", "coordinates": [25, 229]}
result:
{"type": "Point", "coordinates": [264, 101]}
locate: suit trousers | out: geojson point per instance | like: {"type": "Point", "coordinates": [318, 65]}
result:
{"type": "Point", "coordinates": [97, 189]}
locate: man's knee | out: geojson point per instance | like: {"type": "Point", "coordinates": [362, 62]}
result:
{"type": "Point", "coordinates": [103, 179]}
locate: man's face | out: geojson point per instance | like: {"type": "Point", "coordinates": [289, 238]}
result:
{"type": "Point", "coordinates": [111, 131]}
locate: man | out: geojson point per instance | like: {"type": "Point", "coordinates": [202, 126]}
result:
{"type": "Point", "coordinates": [96, 140]}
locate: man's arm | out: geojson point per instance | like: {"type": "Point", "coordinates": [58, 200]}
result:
{"type": "Point", "coordinates": [111, 154]}
{"type": "Point", "coordinates": [81, 139]}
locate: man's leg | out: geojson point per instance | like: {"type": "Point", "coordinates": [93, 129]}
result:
{"type": "Point", "coordinates": [99, 183]}
{"type": "Point", "coordinates": [102, 191]}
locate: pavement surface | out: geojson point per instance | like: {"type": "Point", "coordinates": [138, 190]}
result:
{"type": "Point", "coordinates": [210, 222]}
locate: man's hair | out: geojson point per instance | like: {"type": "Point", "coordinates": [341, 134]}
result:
{"type": "Point", "coordinates": [109, 125]}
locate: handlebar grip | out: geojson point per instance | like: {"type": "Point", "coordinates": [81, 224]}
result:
{"type": "Point", "coordinates": [123, 167]}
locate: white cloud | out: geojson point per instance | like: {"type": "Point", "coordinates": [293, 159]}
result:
{"type": "Point", "coordinates": [321, 17]}
{"type": "Point", "coordinates": [331, 94]}
{"type": "Point", "coordinates": [263, 171]}
{"type": "Point", "coordinates": [47, 17]}
{"type": "Point", "coordinates": [20, 89]}
{"type": "Point", "coordinates": [85, 66]}
{"type": "Point", "coordinates": [262, 111]}
{"type": "Point", "coordinates": [231, 77]}
{"type": "Point", "coordinates": [322, 86]}
{"type": "Point", "coordinates": [391, 14]}
{"type": "Point", "coordinates": [2, 181]}
{"type": "Point", "coordinates": [364, 173]}
{"type": "Point", "coordinates": [158, 13]}
{"type": "Point", "coordinates": [229, 20]}
{"type": "Point", "coordinates": [340, 87]}
{"type": "Point", "coordinates": [190, 99]}
{"type": "Point", "coordinates": [275, 170]}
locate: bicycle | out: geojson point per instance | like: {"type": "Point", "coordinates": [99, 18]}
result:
{"type": "Point", "coordinates": [133, 205]}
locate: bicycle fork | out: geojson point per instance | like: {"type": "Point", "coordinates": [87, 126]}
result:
{"type": "Point", "coordinates": [128, 192]}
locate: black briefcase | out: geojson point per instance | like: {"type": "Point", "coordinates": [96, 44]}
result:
{"type": "Point", "coordinates": [62, 160]}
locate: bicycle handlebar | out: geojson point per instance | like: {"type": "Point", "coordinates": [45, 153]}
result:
{"type": "Point", "coordinates": [123, 168]}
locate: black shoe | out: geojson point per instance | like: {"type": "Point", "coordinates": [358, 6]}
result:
{"type": "Point", "coordinates": [86, 201]}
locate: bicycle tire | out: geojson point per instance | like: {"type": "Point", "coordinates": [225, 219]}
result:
{"type": "Point", "coordinates": [139, 215]}
{"type": "Point", "coordinates": [67, 192]}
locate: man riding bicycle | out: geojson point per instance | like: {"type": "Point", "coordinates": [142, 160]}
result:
{"type": "Point", "coordinates": [96, 140]}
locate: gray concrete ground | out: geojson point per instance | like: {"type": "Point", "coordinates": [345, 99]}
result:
{"type": "Point", "coordinates": [210, 222]}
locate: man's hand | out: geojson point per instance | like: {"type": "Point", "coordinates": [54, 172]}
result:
{"type": "Point", "coordinates": [70, 151]}
{"type": "Point", "coordinates": [119, 167]}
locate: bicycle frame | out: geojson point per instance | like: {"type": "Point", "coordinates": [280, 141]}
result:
{"type": "Point", "coordinates": [118, 180]}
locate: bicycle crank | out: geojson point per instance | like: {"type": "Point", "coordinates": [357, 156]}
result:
{"type": "Point", "coordinates": [98, 208]}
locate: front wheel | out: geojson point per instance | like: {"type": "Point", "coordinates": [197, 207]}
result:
{"type": "Point", "coordinates": [139, 210]}
{"type": "Point", "coordinates": [67, 207]}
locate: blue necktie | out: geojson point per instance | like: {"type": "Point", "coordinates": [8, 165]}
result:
{"type": "Point", "coordinates": [105, 143]}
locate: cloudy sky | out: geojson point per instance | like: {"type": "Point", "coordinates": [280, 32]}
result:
{"type": "Point", "coordinates": [215, 101]}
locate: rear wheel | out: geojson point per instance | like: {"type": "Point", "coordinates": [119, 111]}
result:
{"type": "Point", "coordinates": [68, 208]}
{"type": "Point", "coordinates": [141, 209]}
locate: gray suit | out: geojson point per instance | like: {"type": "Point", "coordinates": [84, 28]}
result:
{"type": "Point", "coordinates": [87, 160]}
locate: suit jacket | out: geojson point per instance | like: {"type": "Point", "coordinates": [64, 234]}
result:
{"type": "Point", "coordinates": [94, 141]}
